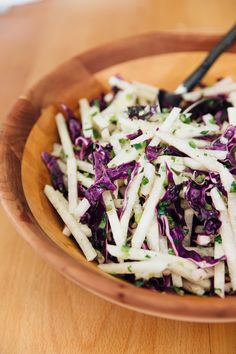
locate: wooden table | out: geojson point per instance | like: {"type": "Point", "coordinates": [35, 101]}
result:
{"type": "Point", "coordinates": [40, 311]}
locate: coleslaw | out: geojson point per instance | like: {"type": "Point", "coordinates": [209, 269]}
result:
{"type": "Point", "coordinates": [148, 190]}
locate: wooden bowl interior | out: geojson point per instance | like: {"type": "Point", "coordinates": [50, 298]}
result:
{"type": "Point", "coordinates": [165, 71]}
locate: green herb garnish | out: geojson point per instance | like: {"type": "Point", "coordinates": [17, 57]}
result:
{"type": "Point", "coordinates": [139, 146]}
{"type": "Point", "coordinates": [204, 132]}
{"type": "Point", "coordinates": [145, 180]}
{"type": "Point", "coordinates": [192, 144]}
{"type": "Point", "coordinates": [96, 134]}
{"type": "Point", "coordinates": [218, 239]}
{"type": "Point", "coordinates": [233, 187]}
{"type": "Point", "coordinates": [103, 222]}
{"type": "Point", "coordinates": [125, 250]}
{"type": "Point", "coordinates": [185, 119]}
{"type": "Point", "coordinates": [199, 179]}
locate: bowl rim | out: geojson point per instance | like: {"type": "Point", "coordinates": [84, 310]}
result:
{"type": "Point", "coordinates": [26, 110]}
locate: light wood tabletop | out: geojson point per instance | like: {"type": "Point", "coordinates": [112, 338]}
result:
{"type": "Point", "coordinates": [40, 311]}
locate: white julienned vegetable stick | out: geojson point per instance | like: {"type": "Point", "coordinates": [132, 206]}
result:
{"type": "Point", "coordinates": [105, 135]}
{"type": "Point", "coordinates": [177, 280]}
{"type": "Point", "coordinates": [203, 240]}
{"type": "Point", "coordinates": [226, 177]}
{"type": "Point", "coordinates": [232, 98]}
{"type": "Point", "coordinates": [115, 144]}
{"type": "Point", "coordinates": [57, 150]}
{"type": "Point", "coordinates": [64, 135]}
{"type": "Point", "coordinates": [82, 207]}
{"type": "Point", "coordinates": [85, 166]}
{"type": "Point", "coordinates": [150, 267]}
{"type": "Point", "coordinates": [130, 198]}
{"type": "Point", "coordinates": [212, 91]}
{"type": "Point", "coordinates": [194, 153]}
{"type": "Point", "coordinates": [149, 173]}
{"type": "Point", "coordinates": [140, 254]}
{"type": "Point", "coordinates": [228, 239]}
{"type": "Point", "coordinates": [138, 210]}
{"type": "Point", "coordinates": [188, 216]}
{"type": "Point", "coordinates": [124, 156]}
{"type": "Point", "coordinates": [86, 118]}
{"type": "Point", "coordinates": [122, 100]}
{"type": "Point", "coordinates": [86, 230]}
{"type": "Point", "coordinates": [114, 221]}
{"type": "Point", "coordinates": [190, 131]}
{"type": "Point", "coordinates": [71, 223]}
{"type": "Point", "coordinates": [232, 211]}
{"type": "Point", "coordinates": [219, 269]}
{"type": "Point", "coordinates": [84, 180]}
{"type": "Point", "coordinates": [150, 205]}
{"type": "Point", "coordinates": [193, 288]}
{"type": "Point", "coordinates": [204, 283]}
{"type": "Point", "coordinates": [67, 232]}
{"type": "Point", "coordinates": [218, 154]}
{"type": "Point", "coordinates": [167, 125]}
{"type": "Point", "coordinates": [163, 244]}
{"type": "Point", "coordinates": [153, 235]}
{"type": "Point", "coordinates": [186, 161]}
{"type": "Point", "coordinates": [72, 183]}
{"type": "Point", "coordinates": [189, 274]}
{"type": "Point", "coordinates": [118, 203]}
{"type": "Point", "coordinates": [148, 92]}
{"type": "Point", "coordinates": [101, 122]}
{"type": "Point", "coordinates": [232, 115]}
{"type": "Point", "coordinates": [142, 138]}
{"type": "Point", "coordinates": [120, 83]}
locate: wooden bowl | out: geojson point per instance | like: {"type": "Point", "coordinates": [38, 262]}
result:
{"type": "Point", "coordinates": [160, 59]}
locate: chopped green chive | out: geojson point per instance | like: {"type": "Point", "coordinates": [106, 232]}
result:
{"type": "Point", "coordinates": [125, 250]}
{"type": "Point", "coordinates": [130, 268]}
{"type": "Point", "coordinates": [123, 141]}
{"type": "Point", "coordinates": [109, 208]}
{"type": "Point", "coordinates": [212, 120]}
{"type": "Point", "coordinates": [166, 110]}
{"type": "Point", "coordinates": [165, 183]}
{"type": "Point", "coordinates": [129, 96]}
{"type": "Point", "coordinates": [129, 172]}
{"type": "Point", "coordinates": [233, 187]}
{"type": "Point", "coordinates": [200, 179]}
{"type": "Point", "coordinates": [204, 132]}
{"type": "Point", "coordinates": [171, 252]}
{"type": "Point", "coordinates": [94, 114]}
{"type": "Point", "coordinates": [145, 180]}
{"type": "Point", "coordinates": [139, 146]}
{"type": "Point", "coordinates": [113, 119]}
{"type": "Point", "coordinates": [208, 206]}
{"type": "Point", "coordinates": [96, 134]}
{"type": "Point", "coordinates": [147, 256]}
{"type": "Point", "coordinates": [192, 144]}
{"type": "Point", "coordinates": [96, 103]}
{"type": "Point", "coordinates": [185, 119]}
{"type": "Point", "coordinates": [218, 239]}
{"type": "Point", "coordinates": [103, 222]}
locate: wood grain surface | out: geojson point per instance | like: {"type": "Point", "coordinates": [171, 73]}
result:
{"type": "Point", "coordinates": [40, 311]}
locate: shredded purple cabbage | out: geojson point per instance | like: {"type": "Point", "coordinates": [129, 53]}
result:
{"type": "Point", "coordinates": [55, 172]}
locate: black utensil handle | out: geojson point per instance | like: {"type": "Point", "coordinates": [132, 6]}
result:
{"type": "Point", "coordinates": [219, 48]}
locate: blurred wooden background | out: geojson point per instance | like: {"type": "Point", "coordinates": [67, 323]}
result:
{"type": "Point", "coordinates": [40, 311]}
